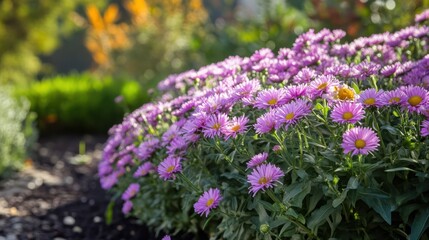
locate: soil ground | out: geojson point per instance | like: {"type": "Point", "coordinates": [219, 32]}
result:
{"type": "Point", "coordinates": [57, 196]}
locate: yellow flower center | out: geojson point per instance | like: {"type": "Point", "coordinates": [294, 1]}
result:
{"type": "Point", "coordinates": [170, 169]}
{"type": "Point", "coordinates": [322, 86]}
{"type": "Point", "coordinates": [414, 100]}
{"type": "Point", "coordinates": [272, 101]}
{"type": "Point", "coordinates": [235, 128]}
{"type": "Point", "coordinates": [345, 94]}
{"type": "Point", "coordinates": [347, 115]}
{"type": "Point", "coordinates": [394, 100]}
{"type": "Point", "coordinates": [263, 180]}
{"type": "Point", "coordinates": [216, 126]}
{"type": "Point", "coordinates": [289, 116]}
{"type": "Point", "coordinates": [369, 101]}
{"type": "Point", "coordinates": [360, 143]}
{"type": "Point", "coordinates": [210, 202]}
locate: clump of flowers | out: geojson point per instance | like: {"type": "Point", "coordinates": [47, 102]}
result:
{"type": "Point", "coordinates": [324, 140]}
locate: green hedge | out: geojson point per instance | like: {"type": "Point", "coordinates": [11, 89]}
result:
{"type": "Point", "coordinates": [16, 130]}
{"type": "Point", "coordinates": [81, 103]}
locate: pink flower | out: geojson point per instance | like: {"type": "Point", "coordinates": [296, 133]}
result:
{"type": "Point", "coordinates": [256, 160]}
{"type": "Point", "coordinates": [266, 123]}
{"type": "Point", "coordinates": [415, 98]}
{"type": "Point", "coordinates": [424, 131]}
{"type": "Point", "coordinates": [166, 237]}
{"type": "Point", "coordinates": [270, 98]}
{"type": "Point", "coordinates": [215, 125]}
{"type": "Point", "coordinates": [360, 140]}
{"type": "Point", "coordinates": [127, 206]}
{"type": "Point", "coordinates": [236, 125]}
{"type": "Point", "coordinates": [392, 97]}
{"type": "Point", "coordinates": [263, 177]}
{"type": "Point", "coordinates": [169, 166]}
{"type": "Point", "coordinates": [208, 201]}
{"type": "Point", "coordinates": [131, 191]}
{"type": "Point", "coordinates": [143, 170]}
{"type": "Point", "coordinates": [347, 112]}
{"type": "Point", "coordinates": [290, 113]}
{"type": "Point", "coordinates": [370, 97]}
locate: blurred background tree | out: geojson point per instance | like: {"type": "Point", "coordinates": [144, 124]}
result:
{"type": "Point", "coordinates": [29, 29]}
{"type": "Point", "coordinates": [149, 39]}
{"type": "Point", "coordinates": [156, 38]}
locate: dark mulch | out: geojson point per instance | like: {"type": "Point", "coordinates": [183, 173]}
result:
{"type": "Point", "coordinates": [59, 196]}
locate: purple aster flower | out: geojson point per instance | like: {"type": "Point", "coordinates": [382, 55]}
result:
{"type": "Point", "coordinates": [290, 113]}
{"type": "Point", "coordinates": [177, 145]}
{"type": "Point", "coordinates": [305, 75]}
{"type": "Point", "coordinates": [166, 237]}
{"type": "Point", "coordinates": [104, 168]}
{"type": "Point", "coordinates": [260, 54]}
{"type": "Point", "coordinates": [246, 89]}
{"type": "Point", "coordinates": [392, 97]}
{"type": "Point", "coordinates": [124, 160]}
{"type": "Point", "coordinates": [321, 85]}
{"type": "Point", "coordinates": [296, 91]}
{"type": "Point", "coordinates": [169, 166]}
{"type": "Point", "coordinates": [266, 123]}
{"type": "Point", "coordinates": [236, 125]}
{"type": "Point", "coordinates": [131, 191]}
{"type": "Point", "coordinates": [347, 112]}
{"type": "Point", "coordinates": [146, 148]}
{"type": "Point", "coordinates": [208, 201]}
{"type": "Point", "coordinates": [143, 170]}
{"type": "Point", "coordinates": [414, 99]}
{"type": "Point", "coordinates": [263, 177]}
{"type": "Point", "coordinates": [257, 160]}
{"type": "Point", "coordinates": [424, 131]}
{"type": "Point", "coordinates": [370, 97]}
{"type": "Point", "coordinates": [389, 70]}
{"type": "Point", "coordinates": [108, 181]}
{"type": "Point", "coordinates": [170, 134]}
{"type": "Point", "coordinates": [126, 208]}
{"type": "Point", "coordinates": [365, 69]}
{"type": "Point", "coordinates": [270, 98]}
{"type": "Point", "coordinates": [215, 125]}
{"type": "Point", "coordinates": [422, 16]}
{"type": "Point", "coordinates": [360, 140]}
{"type": "Point", "coordinates": [277, 148]}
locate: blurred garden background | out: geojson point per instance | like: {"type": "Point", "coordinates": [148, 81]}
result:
{"type": "Point", "coordinates": [78, 66]}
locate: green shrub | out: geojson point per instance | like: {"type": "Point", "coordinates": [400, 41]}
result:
{"type": "Point", "coordinates": [81, 102]}
{"type": "Point", "coordinates": [16, 130]}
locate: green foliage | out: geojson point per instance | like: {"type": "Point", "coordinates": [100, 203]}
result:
{"type": "Point", "coordinates": [16, 130]}
{"type": "Point", "coordinates": [29, 28]}
{"type": "Point", "coordinates": [82, 102]}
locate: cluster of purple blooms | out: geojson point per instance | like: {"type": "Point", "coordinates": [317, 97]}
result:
{"type": "Point", "coordinates": [277, 91]}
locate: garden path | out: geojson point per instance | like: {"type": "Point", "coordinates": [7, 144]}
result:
{"type": "Point", "coordinates": [57, 196]}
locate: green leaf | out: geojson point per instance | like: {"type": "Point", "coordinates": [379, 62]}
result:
{"type": "Point", "coordinates": [355, 87]}
{"type": "Point", "coordinates": [399, 169]}
{"type": "Point", "coordinates": [420, 224]}
{"type": "Point", "coordinates": [316, 195]}
{"type": "Point", "coordinates": [319, 216]}
{"type": "Point", "coordinates": [108, 215]}
{"type": "Point", "coordinates": [296, 192]}
{"type": "Point", "coordinates": [340, 199]}
{"type": "Point", "coordinates": [381, 206]}
{"type": "Point", "coordinates": [207, 221]}
{"type": "Point", "coordinates": [263, 216]}
{"type": "Point", "coordinates": [268, 206]}
{"type": "Point", "coordinates": [353, 183]}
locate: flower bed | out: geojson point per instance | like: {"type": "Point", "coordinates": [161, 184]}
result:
{"type": "Point", "coordinates": [323, 140]}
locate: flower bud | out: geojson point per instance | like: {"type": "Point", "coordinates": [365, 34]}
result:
{"type": "Point", "coordinates": [277, 149]}
{"type": "Point", "coordinates": [264, 228]}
